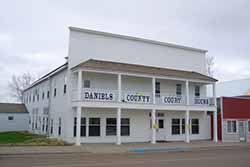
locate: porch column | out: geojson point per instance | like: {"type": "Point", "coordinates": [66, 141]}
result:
{"type": "Point", "coordinates": [215, 126]}
{"type": "Point", "coordinates": [79, 85]}
{"type": "Point", "coordinates": [78, 126]}
{"type": "Point", "coordinates": [187, 127]}
{"type": "Point", "coordinates": [153, 141]}
{"type": "Point", "coordinates": [118, 126]}
{"type": "Point", "coordinates": [187, 92]}
{"type": "Point", "coordinates": [214, 94]}
{"type": "Point", "coordinates": [153, 89]}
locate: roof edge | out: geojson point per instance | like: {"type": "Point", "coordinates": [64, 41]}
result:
{"type": "Point", "coordinates": [108, 34]}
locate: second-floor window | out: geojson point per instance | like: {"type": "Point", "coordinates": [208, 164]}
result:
{"type": "Point", "coordinates": [178, 90]}
{"type": "Point", "coordinates": [47, 94]}
{"type": "Point", "coordinates": [64, 88]}
{"type": "Point", "coordinates": [157, 88]}
{"type": "Point", "coordinates": [197, 91]}
{"type": "Point", "coordinates": [55, 92]}
{"type": "Point", "coordinates": [86, 84]}
{"type": "Point", "coordinates": [43, 95]}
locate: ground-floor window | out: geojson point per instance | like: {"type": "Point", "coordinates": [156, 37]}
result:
{"type": "Point", "coordinates": [51, 127]}
{"type": "Point", "coordinates": [43, 124]}
{"type": "Point", "coordinates": [195, 126]}
{"type": "Point", "coordinates": [183, 126]}
{"type": "Point", "coordinates": [47, 125]}
{"type": "Point", "coordinates": [125, 127]}
{"type": "Point", "coordinates": [59, 126]}
{"type": "Point", "coordinates": [83, 126]}
{"type": "Point", "coordinates": [248, 126]}
{"type": "Point", "coordinates": [175, 126]}
{"type": "Point", "coordinates": [110, 126]}
{"type": "Point", "coordinates": [231, 126]}
{"type": "Point", "coordinates": [94, 127]}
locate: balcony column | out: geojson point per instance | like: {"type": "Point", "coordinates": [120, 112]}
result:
{"type": "Point", "coordinates": [187, 92]}
{"type": "Point", "coordinates": [187, 127]}
{"type": "Point", "coordinates": [153, 141]}
{"type": "Point", "coordinates": [79, 85]}
{"type": "Point", "coordinates": [78, 126]}
{"type": "Point", "coordinates": [153, 89]}
{"type": "Point", "coordinates": [119, 83]}
{"type": "Point", "coordinates": [118, 126]}
{"type": "Point", "coordinates": [214, 94]}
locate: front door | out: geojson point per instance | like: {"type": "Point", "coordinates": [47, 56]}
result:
{"type": "Point", "coordinates": [242, 131]}
{"type": "Point", "coordinates": [160, 132]}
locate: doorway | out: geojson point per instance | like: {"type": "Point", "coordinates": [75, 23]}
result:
{"type": "Point", "coordinates": [242, 130]}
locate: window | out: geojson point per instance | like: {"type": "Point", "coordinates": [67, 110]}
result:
{"type": "Point", "coordinates": [10, 118]}
{"type": "Point", "coordinates": [33, 98]}
{"type": "Point", "coordinates": [160, 123]}
{"type": "Point", "coordinates": [59, 126]}
{"type": "Point", "coordinates": [195, 126]}
{"type": "Point", "coordinates": [54, 92]}
{"type": "Point", "coordinates": [231, 126]}
{"type": "Point", "coordinates": [110, 126]}
{"type": "Point", "coordinates": [43, 95]}
{"type": "Point", "coordinates": [51, 127]}
{"type": "Point", "coordinates": [38, 97]}
{"type": "Point", "coordinates": [94, 127]}
{"type": "Point", "coordinates": [175, 126]}
{"type": "Point", "coordinates": [64, 88]}
{"type": "Point", "coordinates": [86, 84]}
{"type": "Point", "coordinates": [183, 126]}
{"type": "Point", "coordinates": [197, 91]}
{"type": "Point", "coordinates": [47, 126]}
{"type": "Point", "coordinates": [157, 88]}
{"type": "Point", "coordinates": [47, 94]}
{"type": "Point", "coordinates": [83, 126]}
{"type": "Point", "coordinates": [248, 126]}
{"type": "Point", "coordinates": [43, 124]}
{"type": "Point", "coordinates": [178, 89]}
{"type": "Point", "coordinates": [125, 127]}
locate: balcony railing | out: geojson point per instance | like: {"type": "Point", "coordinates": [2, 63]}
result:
{"type": "Point", "coordinates": [138, 97]}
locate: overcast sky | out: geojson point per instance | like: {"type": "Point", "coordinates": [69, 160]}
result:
{"type": "Point", "coordinates": [34, 34]}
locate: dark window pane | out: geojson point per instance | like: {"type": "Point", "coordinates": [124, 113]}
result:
{"type": "Point", "coordinates": [160, 123]}
{"type": "Point", "coordinates": [183, 126]}
{"type": "Point", "coordinates": [195, 126]}
{"type": "Point", "coordinates": [94, 127]}
{"type": "Point", "coordinates": [175, 126]}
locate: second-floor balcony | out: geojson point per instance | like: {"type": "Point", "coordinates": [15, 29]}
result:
{"type": "Point", "coordinates": [138, 97]}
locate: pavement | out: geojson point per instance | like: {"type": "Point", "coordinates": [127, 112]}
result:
{"type": "Point", "coordinates": [123, 148]}
{"type": "Point", "coordinates": [230, 157]}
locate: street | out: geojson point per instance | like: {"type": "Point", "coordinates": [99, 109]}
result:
{"type": "Point", "coordinates": [229, 157]}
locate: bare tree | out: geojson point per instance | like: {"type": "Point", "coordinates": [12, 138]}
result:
{"type": "Point", "coordinates": [19, 83]}
{"type": "Point", "coordinates": [210, 65]}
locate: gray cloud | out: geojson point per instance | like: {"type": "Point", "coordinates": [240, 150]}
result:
{"type": "Point", "coordinates": [34, 34]}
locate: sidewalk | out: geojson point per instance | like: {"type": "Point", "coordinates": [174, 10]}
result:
{"type": "Point", "coordinates": [124, 148]}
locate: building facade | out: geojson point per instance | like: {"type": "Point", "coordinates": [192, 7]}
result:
{"type": "Point", "coordinates": [13, 117]}
{"type": "Point", "coordinates": [119, 89]}
{"type": "Point", "coordinates": [234, 120]}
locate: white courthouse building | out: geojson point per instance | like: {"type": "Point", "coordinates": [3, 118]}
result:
{"type": "Point", "coordinates": [119, 89]}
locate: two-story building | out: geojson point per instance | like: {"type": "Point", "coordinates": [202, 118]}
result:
{"type": "Point", "coordinates": [119, 89]}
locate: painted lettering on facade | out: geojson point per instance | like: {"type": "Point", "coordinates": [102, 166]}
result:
{"type": "Point", "coordinates": [99, 96]}
{"type": "Point", "coordinates": [171, 100]}
{"type": "Point", "coordinates": [137, 98]}
{"type": "Point", "coordinates": [201, 101]}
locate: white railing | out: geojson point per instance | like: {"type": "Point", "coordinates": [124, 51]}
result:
{"type": "Point", "coordinates": [202, 101]}
{"type": "Point", "coordinates": [168, 99]}
{"type": "Point", "coordinates": [136, 97]}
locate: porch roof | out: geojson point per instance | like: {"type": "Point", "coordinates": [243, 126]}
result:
{"type": "Point", "coordinates": [142, 69]}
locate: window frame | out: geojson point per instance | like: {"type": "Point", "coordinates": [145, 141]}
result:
{"type": "Point", "coordinates": [197, 91]}
{"type": "Point", "coordinates": [125, 125]}
{"type": "Point", "coordinates": [192, 125]}
{"type": "Point", "coordinates": [110, 126]}
{"type": "Point", "coordinates": [157, 88]}
{"type": "Point", "coordinates": [12, 118]}
{"type": "Point", "coordinates": [236, 126]}
{"type": "Point", "coordinates": [175, 125]}
{"type": "Point", "coordinates": [94, 125]}
{"type": "Point", "coordinates": [178, 89]}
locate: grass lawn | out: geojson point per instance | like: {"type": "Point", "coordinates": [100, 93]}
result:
{"type": "Point", "coordinates": [25, 138]}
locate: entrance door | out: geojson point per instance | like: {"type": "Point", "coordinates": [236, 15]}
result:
{"type": "Point", "coordinates": [242, 130]}
{"type": "Point", "coordinates": [160, 132]}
